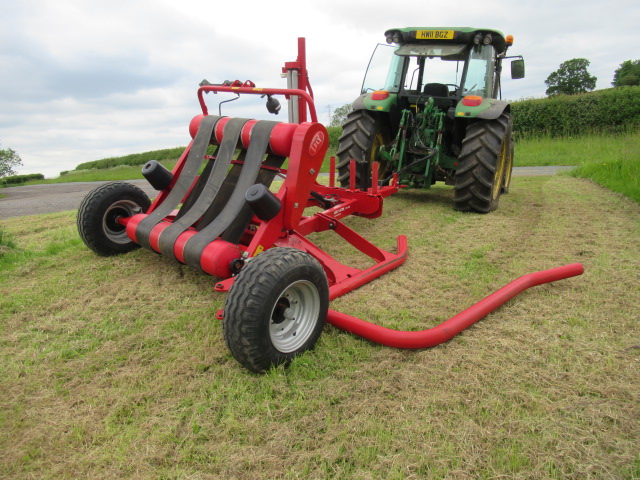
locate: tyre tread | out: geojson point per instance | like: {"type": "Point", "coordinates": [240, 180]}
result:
{"type": "Point", "coordinates": [91, 210]}
{"type": "Point", "coordinates": [478, 161]}
{"type": "Point", "coordinates": [244, 322]}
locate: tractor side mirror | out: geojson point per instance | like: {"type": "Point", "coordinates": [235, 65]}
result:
{"type": "Point", "coordinates": [517, 69]}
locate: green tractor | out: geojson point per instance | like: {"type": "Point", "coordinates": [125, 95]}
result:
{"type": "Point", "coordinates": [429, 111]}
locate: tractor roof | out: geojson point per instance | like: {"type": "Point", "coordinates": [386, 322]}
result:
{"type": "Point", "coordinates": [457, 35]}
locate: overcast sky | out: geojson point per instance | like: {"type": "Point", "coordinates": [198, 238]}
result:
{"type": "Point", "coordinates": [87, 79]}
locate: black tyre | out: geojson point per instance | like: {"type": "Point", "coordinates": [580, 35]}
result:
{"type": "Point", "coordinates": [100, 211]}
{"type": "Point", "coordinates": [276, 309]}
{"type": "Point", "coordinates": [508, 169]}
{"type": "Point", "coordinates": [483, 163]}
{"type": "Point", "coordinates": [362, 135]}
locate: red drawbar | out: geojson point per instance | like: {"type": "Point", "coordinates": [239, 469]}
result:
{"type": "Point", "coordinates": [448, 329]}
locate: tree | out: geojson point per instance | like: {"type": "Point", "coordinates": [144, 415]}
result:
{"type": "Point", "coordinates": [340, 115]}
{"type": "Point", "coordinates": [628, 74]}
{"type": "Point", "coordinates": [8, 160]}
{"type": "Point", "coordinates": [571, 78]}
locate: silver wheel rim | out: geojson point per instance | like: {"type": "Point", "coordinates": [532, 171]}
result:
{"type": "Point", "coordinates": [294, 316]}
{"type": "Point", "coordinates": [114, 231]}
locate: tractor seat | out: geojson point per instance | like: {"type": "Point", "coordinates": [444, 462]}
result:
{"type": "Point", "coordinates": [436, 90]}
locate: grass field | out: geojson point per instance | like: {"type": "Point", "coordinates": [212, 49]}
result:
{"type": "Point", "coordinates": [116, 368]}
{"type": "Point", "coordinates": [578, 150]}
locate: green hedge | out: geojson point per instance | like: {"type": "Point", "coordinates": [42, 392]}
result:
{"type": "Point", "coordinates": [15, 179]}
{"type": "Point", "coordinates": [334, 135]}
{"type": "Point", "coordinates": [134, 159]}
{"type": "Point", "coordinates": [171, 154]}
{"type": "Point", "coordinates": [611, 110]}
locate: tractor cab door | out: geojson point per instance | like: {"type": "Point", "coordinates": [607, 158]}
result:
{"type": "Point", "coordinates": [479, 78]}
{"type": "Point", "coordinates": [384, 71]}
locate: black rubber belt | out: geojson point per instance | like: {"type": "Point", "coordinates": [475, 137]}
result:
{"type": "Point", "coordinates": [185, 180]}
{"type": "Point", "coordinates": [236, 230]}
{"type": "Point", "coordinates": [259, 142]}
{"type": "Point", "coordinates": [209, 182]}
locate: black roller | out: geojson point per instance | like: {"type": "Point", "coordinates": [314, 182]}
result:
{"type": "Point", "coordinates": [264, 203]}
{"type": "Point", "coordinates": [157, 175]}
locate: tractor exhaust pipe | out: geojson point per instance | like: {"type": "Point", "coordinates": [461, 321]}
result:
{"type": "Point", "coordinates": [449, 328]}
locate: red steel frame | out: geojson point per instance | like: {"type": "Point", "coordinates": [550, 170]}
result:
{"type": "Point", "coordinates": [290, 227]}
{"type": "Point", "coordinates": [305, 145]}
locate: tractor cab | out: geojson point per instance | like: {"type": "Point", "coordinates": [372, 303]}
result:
{"type": "Point", "coordinates": [446, 65]}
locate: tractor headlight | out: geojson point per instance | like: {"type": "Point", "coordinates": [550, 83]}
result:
{"type": "Point", "coordinates": [389, 39]}
{"type": "Point", "coordinates": [477, 39]}
{"type": "Point", "coordinates": [487, 39]}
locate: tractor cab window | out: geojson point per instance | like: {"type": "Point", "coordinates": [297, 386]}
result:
{"type": "Point", "coordinates": [435, 67]}
{"type": "Point", "coordinates": [479, 78]}
{"type": "Point", "coordinates": [384, 71]}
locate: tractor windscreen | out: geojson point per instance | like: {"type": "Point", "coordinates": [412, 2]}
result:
{"type": "Point", "coordinates": [434, 64]}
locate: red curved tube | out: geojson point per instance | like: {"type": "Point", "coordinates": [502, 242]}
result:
{"type": "Point", "coordinates": [449, 328]}
{"type": "Point", "coordinates": [257, 91]}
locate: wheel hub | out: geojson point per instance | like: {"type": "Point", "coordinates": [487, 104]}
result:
{"type": "Point", "coordinates": [110, 221]}
{"type": "Point", "coordinates": [294, 316]}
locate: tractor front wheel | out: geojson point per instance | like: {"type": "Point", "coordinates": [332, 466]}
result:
{"type": "Point", "coordinates": [276, 308]}
{"type": "Point", "coordinates": [485, 164]}
{"type": "Point", "coordinates": [100, 212]}
{"type": "Point", "coordinates": [362, 136]}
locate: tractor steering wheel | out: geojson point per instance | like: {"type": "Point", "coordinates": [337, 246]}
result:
{"type": "Point", "coordinates": [467, 90]}
{"type": "Point", "coordinates": [455, 87]}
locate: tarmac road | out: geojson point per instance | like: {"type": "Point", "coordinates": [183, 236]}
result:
{"type": "Point", "coordinates": [59, 197]}
{"type": "Point", "coordinates": [53, 197]}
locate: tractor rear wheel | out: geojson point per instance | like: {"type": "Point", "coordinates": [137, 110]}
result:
{"type": "Point", "coordinates": [100, 211]}
{"type": "Point", "coordinates": [485, 164]}
{"type": "Point", "coordinates": [506, 182]}
{"type": "Point", "coordinates": [276, 308]}
{"type": "Point", "coordinates": [362, 135]}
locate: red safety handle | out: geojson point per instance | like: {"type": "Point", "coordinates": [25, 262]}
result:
{"type": "Point", "coordinates": [449, 328]}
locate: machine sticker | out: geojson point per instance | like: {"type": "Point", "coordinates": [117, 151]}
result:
{"type": "Point", "coordinates": [316, 143]}
{"type": "Point", "coordinates": [341, 212]}
{"type": "Point", "coordinates": [434, 35]}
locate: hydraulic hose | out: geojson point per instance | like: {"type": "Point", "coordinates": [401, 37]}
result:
{"type": "Point", "coordinates": [449, 328]}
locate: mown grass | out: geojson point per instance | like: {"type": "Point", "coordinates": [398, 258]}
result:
{"type": "Point", "coordinates": [116, 368]}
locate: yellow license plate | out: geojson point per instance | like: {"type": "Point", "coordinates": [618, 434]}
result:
{"type": "Point", "coordinates": [434, 35]}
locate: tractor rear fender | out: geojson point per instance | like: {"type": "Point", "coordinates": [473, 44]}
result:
{"type": "Point", "coordinates": [385, 102]}
{"type": "Point", "coordinates": [489, 109]}
{"type": "Point", "coordinates": [386, 109]}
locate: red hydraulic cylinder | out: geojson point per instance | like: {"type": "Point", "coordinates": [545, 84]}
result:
{"type": "Point", "coordinates": [449, 328]}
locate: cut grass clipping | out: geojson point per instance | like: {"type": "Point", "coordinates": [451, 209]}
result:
{"type": "Point", "coordinates": [116, 368]}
